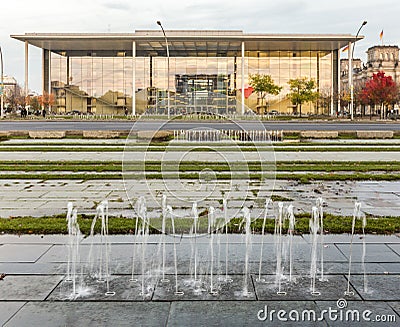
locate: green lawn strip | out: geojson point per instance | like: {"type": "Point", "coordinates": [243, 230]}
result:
{"type": "Point", "coordinates": [118, 225]}
{"type": "Point", "coordinates": [201, 149]}
{"type": "Point", "coordinates": [309, 177]}
{"type": "Point", "coordinates": [304, 177]}
{"type": "Point", "coordinates": [198, 166]}
{"type": "Point", "coordinates": [338, 166]}
{"type": "Point", "coordinates": [28, 167]}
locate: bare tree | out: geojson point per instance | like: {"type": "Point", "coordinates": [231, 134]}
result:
{"type": "Point", "coordinates": [15, 98]}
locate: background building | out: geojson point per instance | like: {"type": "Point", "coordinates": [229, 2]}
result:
{"type": "Point", "coordinates": [379, 58]}
{"type": "Point", "coordinates": [10, 85]}
{"type": "Point", "coordinates": [208, 70]}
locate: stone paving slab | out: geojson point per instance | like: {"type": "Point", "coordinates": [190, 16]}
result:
{"type": "Point", "coordinates": [8, 309]}
{"type": "Point", "coordinates": [239, 238]}
{"type": "Point", "coordinates": [118, 253]}
{"type": "Point", "coordinates": [391, 267]}
{"type": "Point", "coordinates": [91, 314]}
{"type": "Point", "coordinates": [379, 287]}
{"type": "Point", "coordinates": [374, 252]}
{"type": "Point", "coordinates": [201, 289]}
{"type": "Point", "coordinates": [27, 288]}
{"type": "Point", "coordinates": [21, 268]}
{"type": "Point", "coordinates": [335, 268]}
{"type": "Point", "coordinates": [395, 306]}
{"type": "Point", "coordinates": [28, 205]}
{"type": "Point", "coordinates": [237, 313]}
{"type": "Point", "coordinates": [15, 212]}
{"type": "Point", "coordinates": [22, 252]}
{"type": "Point", "coordinates": [358, 238]}
{"type": "Point", "coordinates": [299, 290]}
{"type": "Point", "coordinates": [347, 316]}
{"type": "Point", "coordinates": [33, 239]}
{"type": "Point", "coordinates": [91, 289]}
{"type": "Point", "coordinates": [395, 247]}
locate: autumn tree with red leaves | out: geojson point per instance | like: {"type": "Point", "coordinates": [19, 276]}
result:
{"type": "Point", "coordinates": [46, 100]}
{"type": "Point", "coordinates": [380, 90]}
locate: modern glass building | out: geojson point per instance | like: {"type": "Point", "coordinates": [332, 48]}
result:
{"type": "Point", "coordinates": [206, 71]}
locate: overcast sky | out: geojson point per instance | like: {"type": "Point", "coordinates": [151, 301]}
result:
{"type": "Point", "coordinates": [263, 16]}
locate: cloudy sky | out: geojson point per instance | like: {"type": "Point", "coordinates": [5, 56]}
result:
{"type": "Point", "coordinates": [263, 16]}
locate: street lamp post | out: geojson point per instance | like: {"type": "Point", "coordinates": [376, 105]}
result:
{"type": "Point", "coordinates": [351, 71]}
{"type": "Point", "coordinates": [166, 44]}
{"type": "Point", "coordinates": [2, 87]}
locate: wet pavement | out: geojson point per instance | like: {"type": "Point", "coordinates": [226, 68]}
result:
{"type": "Point", "coordinates": [39, 198]}
{"type": "Point", "coordinates": [35, 291]}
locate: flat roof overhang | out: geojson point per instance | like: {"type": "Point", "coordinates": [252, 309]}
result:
{"type": "Point", "coordinates": [186, 43]}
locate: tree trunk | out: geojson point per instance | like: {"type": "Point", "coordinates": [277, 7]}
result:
{"type": "Point", "coordinates": [300, 110]}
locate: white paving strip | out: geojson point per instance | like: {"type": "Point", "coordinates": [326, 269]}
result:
{"type": "Point", "coordinates": [201, 156]}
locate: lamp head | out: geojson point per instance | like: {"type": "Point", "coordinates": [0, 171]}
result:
{"type": "Point", "coordinates": [364, 23]}
{"type": "Point", "coordinates": [158, 23]}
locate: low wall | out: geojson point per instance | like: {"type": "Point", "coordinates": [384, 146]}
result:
{"type": "Point", "coordinates": [46, 134]}
{"type": "Point", "coordinates": [374, 134]}
{"type": "Point", "coordinates": [4, 134]}
{"type": "Point", "coordinates": [18, 133]}
{"type": "Point", "coordinates": [75, 133]}
{"type": "Point", "coordinates": [100, 134]}
{"type": "Point", "coordinates": [319, 134]}
{"type": "Point", "coordinates": [154, 135]}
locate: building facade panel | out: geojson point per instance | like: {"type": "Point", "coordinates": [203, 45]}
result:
{"type": "Point", "coordinates": [95, 73]}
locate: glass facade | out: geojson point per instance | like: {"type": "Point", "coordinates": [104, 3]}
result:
{"type": "Point", "coordinates": [100, 85]}
{"type": "Point", "coordinates": [103, 84]}
{"type": "Point", "coordinates": [204, 84]}
{"type": "Point", "coordinates": [283, 66]}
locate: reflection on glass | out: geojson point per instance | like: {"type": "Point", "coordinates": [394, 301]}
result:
{"type": "Point", "coordinates": [104, 85]}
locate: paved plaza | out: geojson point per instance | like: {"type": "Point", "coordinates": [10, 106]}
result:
{"type": "Point", "coordinates": [34, 291]}
{"type": "Point", "coordinates": [39, 198]}
{"type": "Point", "coordinates": [200, 156]}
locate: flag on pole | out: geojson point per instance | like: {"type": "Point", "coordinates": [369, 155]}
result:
{"type": "Point", "coordinates": [381, 35]}
{"type": "Point", "coordinates": [248, 91]}
{"type": "Point", "coordinates": [346, 48]}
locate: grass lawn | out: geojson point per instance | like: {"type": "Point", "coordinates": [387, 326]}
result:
{"type": "Point", "coordinates": [118, 225]}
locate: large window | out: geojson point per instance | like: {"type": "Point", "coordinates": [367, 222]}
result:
{"type": "Point", "coordinates": [104, 84]}
{"type": "Point", "coordinates": [91, 84]}
{"type": "Point", "coordinates": [286, 65]}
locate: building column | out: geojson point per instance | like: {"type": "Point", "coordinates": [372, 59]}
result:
{"type": "Point", "coordinates": [332, 85]}
{"type": "Point", "coordinates": [351, 107]}
{"type": "Point", "coordinates": [45, 70]}
{"type": "Point", "coordinates": [133, 78]}
{"type": "Point", "coordinates": [26, 69]}
{"type": "Point", "coordinates": [242, 86]}
{"type": "Point", "coordinates": [336, 80]}
{"type": "Point", "coordinates": [318, 82]}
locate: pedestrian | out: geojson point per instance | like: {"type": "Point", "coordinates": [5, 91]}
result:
{"type": "Point", "coordinates": [44, 113]}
